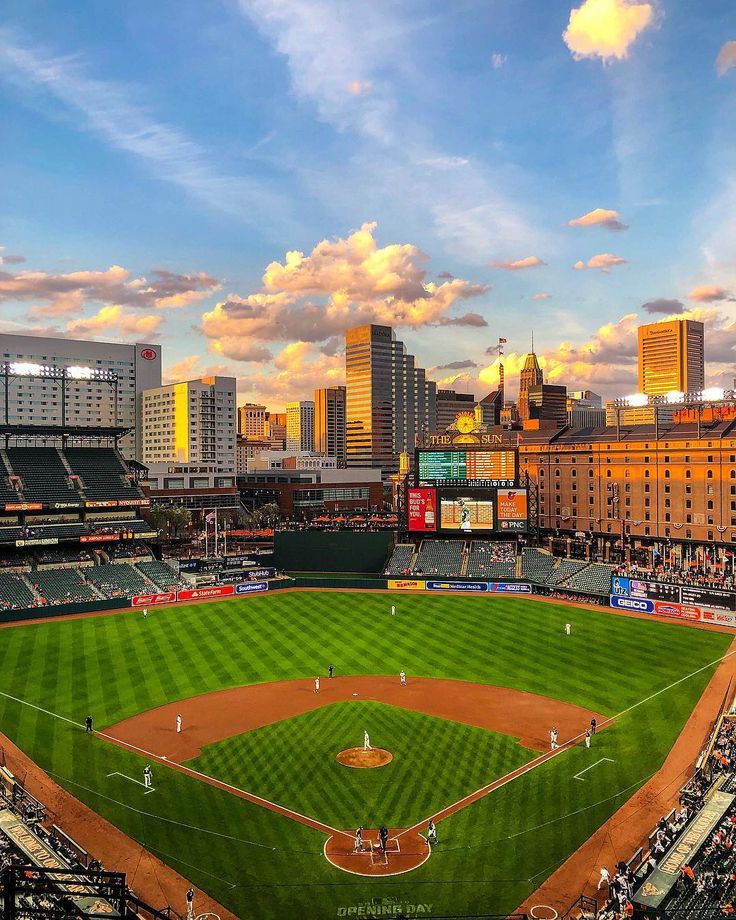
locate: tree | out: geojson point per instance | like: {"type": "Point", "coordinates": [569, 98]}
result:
{"type": "Point", "coordinates": [170, 520]}
{"type": "Point", "coordinates": [267, 515]}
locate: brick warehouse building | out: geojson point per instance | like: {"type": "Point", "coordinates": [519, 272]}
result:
{"type": "Point", "coordinates": [645, 485]}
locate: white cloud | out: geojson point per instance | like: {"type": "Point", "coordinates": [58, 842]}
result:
{"type": "Point", "coordinates": [726, 58]}
{"type": "Point", "coordinates": [606, 28]}
{"type": "Point", "coordinates": [498, 60]}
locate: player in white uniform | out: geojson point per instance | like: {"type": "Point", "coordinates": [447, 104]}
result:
{"type": "Point", "coordinates": [568, 629]}
{"type": "Point", "coordinates": [366, 742]}
{"type": "Point", "coordinates": [316, 684]}
{"type": "Point", "coordinates": [402, 677]}
{"type": "Point", "coordinates": [147, 777]}
{"type": "Point", "coordinates": [178, 724]}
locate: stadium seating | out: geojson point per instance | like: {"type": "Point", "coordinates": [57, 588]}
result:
{"type": "Point", "coordinates": [488, 559]}
{"type": "Point", "coordinates": [118, 580]}
{"type": "Point", "coordinates": [62, 586]}
{"type": "Point", "coordinates": [537, 565]}
{"type": "Point", "coordinates": [102, 473]}
{"type": "Point", "coordinates": [43, 474]}
{"type": "Point", "coordinates": [594, 579]}
{"type": "Point", "coordinates": [161, 574]}
{"type": "Point", "coordinates": [14, 592]}
{"type": "Point", "coordinates": [565, 570]}
{"type": "Point", "coordinates": [440, 557]}
{"type": "Point", "coordinates": [400, 561]}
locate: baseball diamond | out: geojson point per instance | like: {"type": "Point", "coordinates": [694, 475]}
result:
{"type": "Point", "coordinates": [250, 800]}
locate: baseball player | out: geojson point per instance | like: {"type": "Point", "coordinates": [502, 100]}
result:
{"type": "Point", "coordinates": [553, 739]}
{"type": "Point", "coordinates": [331, 671]}
{"type": "Point", "coordinates": [604, 879]}
{"type": "Point", "coordinates": [316, 684]}
{"type": "Point", "coordinates": [88, 724]}
{"type": "Point", "coordinates": [568, 629]}
{"type": "Point", "coordinates": [366, 742]}
{"type": "Point", "coordinates": [402, 677]}
{"type": "Point", "coordinates": [145, 613]}
{"type": "Point", "coordinates": [190, 904]}
{"type": "Point", "coordinates": [178, 724]}
{"type": "Point", "coordinates": [148, 777]}
{"type": "Point", "coordinates": [587, 737]}
{"type": "Point", "coordinates": [358, 843]}
{"type": "Point", "coordinates": [593, 725]}
{"type": "Point", "coordinates": [431, 833]}
{"type": "Point", "coordinates": [383, 836]}
{"type": "Point", "coordinates": [393, 610]}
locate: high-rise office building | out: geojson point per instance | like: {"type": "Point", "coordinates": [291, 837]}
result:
{"type": "Point", "coordinates": [671, 357]}
{"type": "Point", "coordinates": [252, 421]}
{"type": "Point", "coordinates": [391, 405]}
{"type": "Point", "coordinates": [300, 425]}
{"type": "Point", "coordinates": [547, 402]}
{"type": "Point", "coordinates": [329, 423]}
{"type": "Point", "coordinates": [105, 393]}
{"type": "Point", "coordinates": [276, 429]}
{"type": "Point", "coordinates": [531, 376]}
{"type": "Point", "coordinates": [191, 422]}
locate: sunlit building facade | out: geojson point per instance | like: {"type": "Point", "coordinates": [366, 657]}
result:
{"type": "Point", "coordinates": [671, 357]}
{"type": "Point", "coordinates": [330, 436]}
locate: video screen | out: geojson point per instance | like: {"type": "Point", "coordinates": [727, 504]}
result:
{"type": "Point", "coordinates": [467, 511]}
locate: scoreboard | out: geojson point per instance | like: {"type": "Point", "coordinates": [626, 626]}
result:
{"type": "Point", "coordinates": [466, 467]}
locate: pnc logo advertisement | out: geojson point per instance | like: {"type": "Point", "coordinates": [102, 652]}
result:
{"type": "Point", "coordinates": [148, 354]}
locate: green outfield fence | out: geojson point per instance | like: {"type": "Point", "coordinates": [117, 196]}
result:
{"type": "Point", "coordinates": [332, 551]}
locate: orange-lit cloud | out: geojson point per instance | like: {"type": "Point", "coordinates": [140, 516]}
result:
{"type": "Point", "coordinates": [518, 265]}
{"type": "Point", "coordinates": [599, 217]}
{"type": "Point", "coordinates": [7, 258]}
{"type": "Point", "coordinates": [359, 87]}
{"type": "Point", "coordinates": [606, 28]}
{"type": "Point", "coordinates": [726, 58]}
{"type": "Point", "coordinates": [604, 262]}
{"type": "Point", "coordinates": [341, 283]}
{"type": "Point", "coordinates": [114, 318]}
{"type": "Point", "coordinates": [708, 293]}
{"type": "Point", "coordinates": [541, 295]}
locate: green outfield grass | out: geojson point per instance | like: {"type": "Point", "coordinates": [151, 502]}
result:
{"type": "Point", "coordinates": [262, 865]}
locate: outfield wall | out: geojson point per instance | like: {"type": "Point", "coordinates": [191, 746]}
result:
{"type": "Point", "coordinates": [332, 551]}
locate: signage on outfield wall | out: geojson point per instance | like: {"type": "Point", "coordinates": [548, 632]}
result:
{"type": "Point", "coordinates": [24, 506]}
{"type": "Point", "coordinates": [203, 593]}
{"type": "Point", "coordinates": [45, 541]}
{"type": "Point", "coordinates": [148, 600]}
{"type": "Point", "coordinates": [671, 593]}
{"type": "Point", "coordinates": [250, 587]}
{"type": "Point", "coordinates": [637, 604]}
{"type": "Point", "coordinates": [238, 562]}
{"type": "Point", "coordinates": [99, 538]}
{"type": "Point", "coordinates": [457, 586]}
{"type": "Point", "coordinates": [403, 584]}
{"type": "Point", "coordinates": [676, 611]}
{"type": "Point", "coordinates": [107, 503]}
{"type": "Point", "coordinates": [509, 587]}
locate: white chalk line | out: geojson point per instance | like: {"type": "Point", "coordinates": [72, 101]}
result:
{"type": "Point", "coordinates": [602, 760]}
{"type": "Point", "coordinates": [136, 781]}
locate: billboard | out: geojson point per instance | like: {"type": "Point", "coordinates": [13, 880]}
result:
{"type": "Point", "coordinates": [666, 592]}
{"type": "Point", "coordinates": [405, 584]}
{"type": "Point", "coordinates": [148, 600]}
{"type": "Point", "coordinates": [466, 510]}
{"type": "Point", "coordinates": [251, 587]}
{"type": "Point", "coordinates": [466, 467]}
{"type": "Point", "coordinates": [203, 593]}
{"type": "Point", "coordinates": [512, 510]}
{"type": "Point", "coordinates": [421, 510]}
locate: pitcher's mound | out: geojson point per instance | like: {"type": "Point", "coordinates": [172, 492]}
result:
{"type": "Point", "coordinates": [357, 757]}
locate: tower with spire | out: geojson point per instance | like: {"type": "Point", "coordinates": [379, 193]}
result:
{"type": "Point", "coordinates": [531, 376]}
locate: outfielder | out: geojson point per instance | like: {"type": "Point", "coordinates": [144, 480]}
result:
{"type": "Point", "coordinates": [568, 629]}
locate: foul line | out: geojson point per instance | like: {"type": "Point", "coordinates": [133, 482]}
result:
{"type": "Point", "coordinates": [602, 760]}
{"type": "Point", "coordinates": [136, 781]}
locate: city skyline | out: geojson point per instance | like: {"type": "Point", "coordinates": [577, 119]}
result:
{"type": "Point", "coordinates": [530, 187]}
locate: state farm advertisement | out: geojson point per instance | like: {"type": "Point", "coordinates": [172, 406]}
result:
{"type": "Point", "coordinates": [511, 505]}
{"type": "Point", "coordinates": [195, 594]}
{"type": "Point", "coordinates": [148, 600]}
{"type": "Point", "coordinates": [421, 508]}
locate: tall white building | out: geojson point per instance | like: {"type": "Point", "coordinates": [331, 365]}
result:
{"type": "Point", "coordinates": [192, 422]}
{"type": "Point", "coordinates": [300, 425]}
{"type": "Point", "coordinates": [92, 399]}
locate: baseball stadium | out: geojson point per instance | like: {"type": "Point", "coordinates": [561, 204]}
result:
{"type": "Point", "coordinates": [436, 715]}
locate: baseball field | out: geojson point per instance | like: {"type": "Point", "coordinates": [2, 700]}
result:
{"type": "Point", "coordinates": [249, 800]}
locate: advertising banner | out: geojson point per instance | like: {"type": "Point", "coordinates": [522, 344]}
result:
{"type": "Point", "coordinates": [509, 587]}
{"type": "Point", "coordinates": [41, 541]}
{"type": "Point", "coordinates": [107, 503]}
{"type": "Point", "coordinates": [238, 562]}
{"type": "Point", "coordinates": [421, 508]}
{"type": "Point", "coordinates": [511, 505]}
{"type": "Point", "coordinates": [24, 506]}
{"type": "Point", "coordinates": [250, 587]}
{"type": "Point", "coordinates": [148, 600]}
{"type": "Point", "coordinates": [637, 604]}
{"type": "Point", "coordinates": [99, 538]}
{"type": "Point", "coordinates": [60, 505]}
{"type": "Point", "coordinates": [194, 594]}
{"type": "Point", "coordinates": [474, 586]}
{"type": "Point", "coordinates": [256, 574]}
{"type": "Point", "coordinates": [405, 584]}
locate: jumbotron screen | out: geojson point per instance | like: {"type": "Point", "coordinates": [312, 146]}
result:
{"type": "Point", "coordinates": [468, 510]}
{"type": "Point", "coordinates": [466, 467]}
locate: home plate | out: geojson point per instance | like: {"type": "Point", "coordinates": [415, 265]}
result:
{"type": "Point", "coordinates": [355, 694]}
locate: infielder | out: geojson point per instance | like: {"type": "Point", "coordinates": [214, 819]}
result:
{"type": "Point", "coordinates": [402, 677]}
{"type": "Point", "coordinates": [553, 739]}
{"type": "Point", "coordinates": [178, 724]}
{"type": "Point", "coordinates": [148, 777]}
{"type": "Point", "coordinates": [190, 904]}
{"type": "Point", "coordinates": [358, 844]}
{"type": "Point", "coordinates": [366, 742]}
{"type": "Point", "coordinates": [587, 737]}
{"type": "Point", "coordinates": [431, 833]}
{"type": "Point", "coordinates": [316, 684]}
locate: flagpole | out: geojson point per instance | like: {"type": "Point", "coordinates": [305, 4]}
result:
{"type": "Point", "coordinates": [206, 532]}
{"type": "Point", "coordinates": [217, 548]}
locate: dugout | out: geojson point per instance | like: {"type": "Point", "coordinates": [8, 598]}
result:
{"type": "Point", "coordinates": [332, 551]}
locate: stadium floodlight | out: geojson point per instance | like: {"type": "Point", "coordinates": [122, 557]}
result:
{"type": "Point", "coordinates": [713, 393]}
{"type": "Point", "coordinates": [25, 369]}
{"type": "Point", "coordinates": [675, 396]}
{"type": "Point", "coordinates": [638, 399]}
{"type": "Point", "coordinates": [80, 373]}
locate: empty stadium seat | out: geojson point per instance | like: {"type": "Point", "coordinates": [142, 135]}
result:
{"type": "Point", "coordinates": [118, 580]}
{"type": "Point", "coordinates": [62, 586]}
{"type": "Point", "coordinates": [440, 557]}
{"type": "Point", "coordinates": [102, 473]}
{"type": "Point", "coordinates": [400, 560]}
{"type": "Point", "coordinates": [43, 474]}
{"type": "Point", "coordinates": [537, 564]}
{"type": "Point", "coordinates": [593, 579]}
{"type": "Point", "coordinates": [14, 592]}
{"type": "Point", "coordinates": [161, 574]}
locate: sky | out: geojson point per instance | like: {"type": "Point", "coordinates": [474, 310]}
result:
{"type": "Point", "coordinates": [243, 180]}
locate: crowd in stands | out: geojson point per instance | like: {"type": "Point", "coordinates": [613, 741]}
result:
{"type": "Point", "coordinates": [707, 577]}
{"type": "Point", "coordinates": [52, 555]}
{"type": "Point", "coordinates": [128, 550]}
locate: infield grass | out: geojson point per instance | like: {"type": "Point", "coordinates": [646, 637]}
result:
{"type": "Point", "coordinates": [263, 865]}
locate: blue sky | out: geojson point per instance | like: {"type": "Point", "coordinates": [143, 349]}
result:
{"type": "Point", "coordinates": [157, 158]}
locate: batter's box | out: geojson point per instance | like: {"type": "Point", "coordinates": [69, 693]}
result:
{"type": "Point", "coordinates": [378, 856]}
